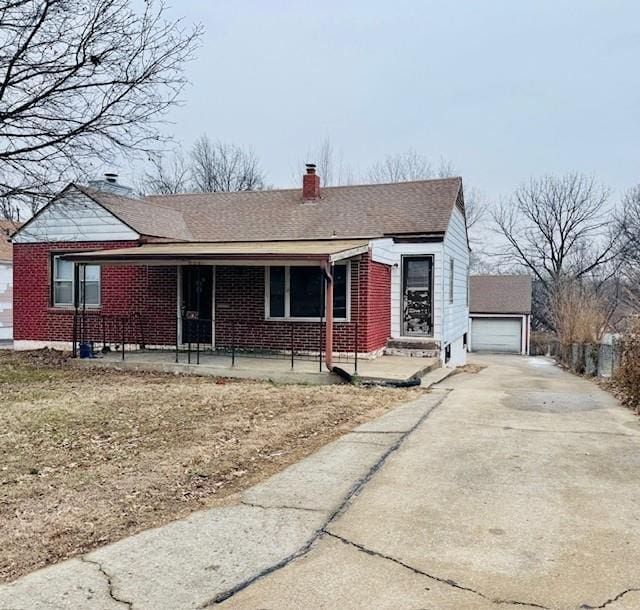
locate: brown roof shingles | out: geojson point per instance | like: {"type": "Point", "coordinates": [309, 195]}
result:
{"type": "Point", "coordinates": [343, 211]}
{"type": "Point", "coordinates": [507, 294]}
{"type": "Point", "coordinates": [146, 219]}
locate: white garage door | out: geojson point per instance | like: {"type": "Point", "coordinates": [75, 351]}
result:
{"type": "Point", "coordinates": [496, 335]}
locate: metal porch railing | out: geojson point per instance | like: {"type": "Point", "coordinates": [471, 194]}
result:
{"type": "Point", "coordinates": [97, 333]}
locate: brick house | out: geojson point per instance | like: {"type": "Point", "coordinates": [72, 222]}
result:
{"type": "Point", "coordinates": [7, 227]}
{"type": "Point", "coordinates": [366, 268]}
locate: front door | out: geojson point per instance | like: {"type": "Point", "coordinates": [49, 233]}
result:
{"type": "Point", "coordinates": [417, 296]}
{"type": "Point", "coordinates": [197, 304]}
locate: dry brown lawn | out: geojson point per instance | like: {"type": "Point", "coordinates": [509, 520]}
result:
{"type": "Point", "coordinates": [88, 457]}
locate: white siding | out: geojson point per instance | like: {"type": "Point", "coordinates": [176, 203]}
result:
{"type": "Point", "coordinates": [6, 301]}
{"type": "Point", "coordinates": [74, 217]}
{"type": "Point", "coordinates": [385, 251]}
{"type": "Point", "coordinates": [456, 315]}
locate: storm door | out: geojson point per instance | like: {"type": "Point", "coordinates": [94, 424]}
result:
{"type": "Point", "coordinates": [197, 304]}
{"type": "Point", "coordinates": [417, 296]}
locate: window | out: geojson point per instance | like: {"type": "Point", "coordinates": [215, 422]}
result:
{"type": "Point", "coordinates": [417, 296]}
{"type": "Point", "coordinates": [276, 292]}
{"type": "Point", "coordinates": [297, 292]}
{"type": "Point", "coordinates": [451, 270]}
{"type": "Point", "coordinates": [63, 284]}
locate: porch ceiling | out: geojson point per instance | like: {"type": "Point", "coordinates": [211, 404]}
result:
{"type": "Point", "coordinates": [227, 252]}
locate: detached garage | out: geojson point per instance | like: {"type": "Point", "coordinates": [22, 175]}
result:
{"type": "Point", "coordinates": [499, 313]}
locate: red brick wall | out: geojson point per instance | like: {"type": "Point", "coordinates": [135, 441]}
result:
{"type": "Point", "coordinates": [152, 292]}
{"type": "Point", "coordinates": [240, 304]}
{"type": "Point", "coordinates": [378, 318]}
{"type": "Point", "coordinates": [124, 290]}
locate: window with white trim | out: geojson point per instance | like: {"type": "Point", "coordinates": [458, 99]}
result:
{"type": "Point", "coordinates": [62, 283]}
{"type": "Point", "coordinates": [297, 292]}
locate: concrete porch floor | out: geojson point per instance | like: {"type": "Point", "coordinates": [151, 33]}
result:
{"type": "Point", "coordinates": [381, 369]}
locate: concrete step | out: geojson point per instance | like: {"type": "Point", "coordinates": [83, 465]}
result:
{"type": "Point", "coordinates": [413, 347]}
{"type": "Point", "coordinates": [436, 376]}
{"type": "Point", "coordinates": [415, 343]}
{"type": "Point", "coordinates": [412, 353]}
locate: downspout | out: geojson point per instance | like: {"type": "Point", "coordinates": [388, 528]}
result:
{"type": "Point", "coordinates": [327, 271]}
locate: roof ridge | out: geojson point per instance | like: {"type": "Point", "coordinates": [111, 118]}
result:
{"type": "Point", "coordinates": [109, 200]}
{"type": "Point", "coordinates": [289, 189]}
{"type": "Point", "coordinates": [110, 195]}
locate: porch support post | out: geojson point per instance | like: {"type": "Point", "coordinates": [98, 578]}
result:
{"type": "Point", "coordinates": [76, 307]}
{"type": "Point", "coordinates": [328, 308]}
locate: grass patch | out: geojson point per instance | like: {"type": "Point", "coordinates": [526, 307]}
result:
{"type": "Point", "coordinates": [89, 456]}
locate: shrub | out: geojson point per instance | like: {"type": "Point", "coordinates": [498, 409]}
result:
{"type": "Point", "coordinates": [542, 343]}
{"type": "Point", "coordinates": [579, 314]}
{"type": "Point", "coordinates": [627, 375]}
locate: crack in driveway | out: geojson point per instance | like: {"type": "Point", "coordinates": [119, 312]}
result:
{"type": "Point", "coordinates": [317, 534]}
{"type": "Point", "coordinates": [446, 581]}
{"type": "Point", "coordinates": [612, 600]}
{"type": "Point", "coordinates": [109, 580]}
{"type": "Point", "coordinates": [283, 507]}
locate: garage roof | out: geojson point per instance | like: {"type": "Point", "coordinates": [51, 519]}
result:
{"type": "Point", "coordinates": [502, 294]}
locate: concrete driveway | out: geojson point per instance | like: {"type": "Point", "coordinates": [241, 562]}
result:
{"type": "Point", "coordinates": [516, 487]}
{"type": "Point", "coordinates": [521, 490]}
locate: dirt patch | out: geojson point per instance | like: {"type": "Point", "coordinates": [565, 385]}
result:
{"type": "Point", "coordinates": [90, 456]}
{"type": "Point", "coordinates": [472, 368]}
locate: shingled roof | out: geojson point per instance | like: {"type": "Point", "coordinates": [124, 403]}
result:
{"type": "Point", "coordinates": [506, 294]}
{"type": "Point", "coordinates": [375, 210]}
{"type": "Point", "coordinates": [157, 220]}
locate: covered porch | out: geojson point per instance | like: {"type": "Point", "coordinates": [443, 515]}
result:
{"type": "Point", "coordinates": [299, 306]}
{"type": "Point", "coordinates": [384, 370]}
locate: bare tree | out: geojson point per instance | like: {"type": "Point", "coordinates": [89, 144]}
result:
{"type": "Point", "coordinates": [167, 175]}
{"type": "Point", "coordinates": [217, 166]}
{"type": "Point", "coordinates": [474, 208]}
{"type": "Point", "coordinates": [559, 229]}
{"type": "Point", "coordinates": [330, 165]}
{"type": "Point", "coordinates": [80, 82]}
{"type": "Point", "coordinates": [558, 226]}
{"type": "Point", "coordinates": [401, 167]}
{"type": "Point", "coordinates": [628, 225]}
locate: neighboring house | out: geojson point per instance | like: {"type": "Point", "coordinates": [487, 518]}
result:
{"type": "Point", "coordinates": [350, 267]}
{"type": "Point", "coordinates": [500, 313]}
{"type": "Point", "coordinates": [7, 227]}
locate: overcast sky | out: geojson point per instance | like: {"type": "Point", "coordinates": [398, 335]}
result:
{"type": "Point", "coordinates": [503, 89]}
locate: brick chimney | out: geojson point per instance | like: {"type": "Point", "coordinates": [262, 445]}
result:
{"type": "Point", "coordinates": [311, 184]}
